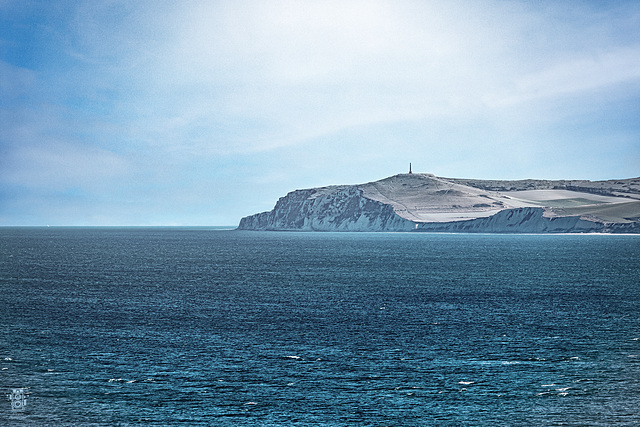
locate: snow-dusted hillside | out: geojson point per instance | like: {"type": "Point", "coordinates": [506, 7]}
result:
{"type": "Point", "coordinates": [424, 202]}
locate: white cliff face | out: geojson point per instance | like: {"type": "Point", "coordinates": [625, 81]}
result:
{"type": "Point", "coordinates": [427, 203]}
{"type": "Point", "coordinates": [344, 209]}
{"type": "Point", "coordinates": [519, 220]}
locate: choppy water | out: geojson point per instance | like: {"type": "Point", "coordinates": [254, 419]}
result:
{"type": "Point", "coordinates": [205, 327]}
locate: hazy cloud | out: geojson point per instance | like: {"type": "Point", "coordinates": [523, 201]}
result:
{"type": "Point", "coordinates": [182, 100]}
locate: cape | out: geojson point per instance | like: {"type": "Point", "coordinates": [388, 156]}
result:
{"type": "Point", "coordinates": [424, 202]}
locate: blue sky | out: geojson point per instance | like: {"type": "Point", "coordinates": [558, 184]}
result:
{"type": "Point", "coordinates": [201, 112]}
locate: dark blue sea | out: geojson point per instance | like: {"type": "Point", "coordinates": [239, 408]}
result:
{"type": "Point", "coordinates": [178, 326]}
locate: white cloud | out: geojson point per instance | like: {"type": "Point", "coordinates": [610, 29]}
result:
{"type": "Point", "coordinates": [304, 69]}
{"type": "Point", "coordinates": [43, 148]}
{"type": "Point", "coordinates": [59, 164]}
{"type": "Point", "coordinates": [574, 76]}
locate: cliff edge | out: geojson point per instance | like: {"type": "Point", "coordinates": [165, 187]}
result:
{"type": "Point", "coordinates": [424, 202]}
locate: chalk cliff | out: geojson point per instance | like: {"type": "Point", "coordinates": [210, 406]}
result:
{"type": "Point", "coordinates": [424, 202]}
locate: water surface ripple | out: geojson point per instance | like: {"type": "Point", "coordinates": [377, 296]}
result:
{"type": "Point", "coordinates": [155, 326]}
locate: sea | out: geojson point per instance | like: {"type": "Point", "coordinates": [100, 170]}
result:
{"type": "Point", "coordinates": [207, 326]}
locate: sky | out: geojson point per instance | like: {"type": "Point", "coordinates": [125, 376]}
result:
{"type": "Point", "coordinates": [202, 112]}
